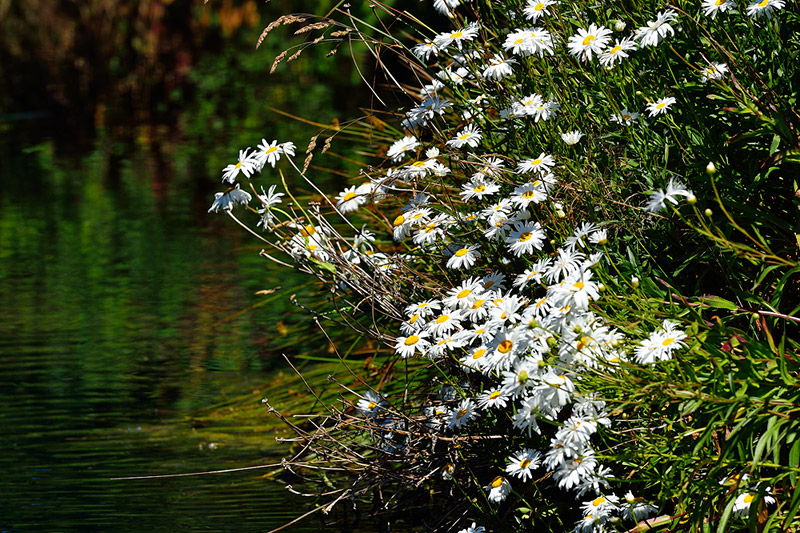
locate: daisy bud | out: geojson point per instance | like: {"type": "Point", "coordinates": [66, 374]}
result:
{"type": "Point", "coordinates": [533, 323]}
{"type": "Point", "coordinates": [577, 328]}
{"type": "Point", "coordinates": [635, 281]}
{"type": "Point", "coordinates": [691, 199]}
{"type": "Point", "coordinates": [601, 287]}
{"type": "Point", "coordinates": [541, 363]}
{"type": "Point", "coordinates": [708, 212]}
{"type": "Point", "coordinates": [551, 341]}
{"type": "Point", "coordinates": [432, 152]}
{"type": "Point", "coordinates": [619, 26]}
{"type": "Point", "coordinates": [755, 316]}
{"type": "Point", "coordinates": [711, 168]}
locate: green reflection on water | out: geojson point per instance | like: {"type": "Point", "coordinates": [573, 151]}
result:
{"type": "Point", "coordinates": [115, 336]}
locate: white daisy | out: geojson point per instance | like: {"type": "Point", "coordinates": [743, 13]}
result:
{"type": "Point", "coordinates": [523, 463]}
{"type": "Point", "coordinates": [625, 117]}
{"type": "Point", "coordinates": [589, 41]}
{"type": "Point", "coordinates": [399, 148]}
{"type": "Point", "coordinates": [712, 7]}
{"type": "Point", "coordinates": [715, 71]}
{"type": "Point", "coordinates": [470, 136]}
{"type": "Point", "coordinates": [618, 52]}
{"type": "Point", "coordinates": [572, 137]}
{"type": "Point", "coordinates": [657, 30]}
{"type": "Point", "coordinates": [458, 37]}
{"type": "Point", "coordinates": [246, 165]}
{"type": "Point", "coordinates": [463, 256]}
{"type": "Point", "coordinates": [541, 164]}
{"type": "Point", "coordinates": [498, 68]}
{"type": "Point", "coordinates": [660, 106]}
{"type": "Point", "coordinates": [536, 8]}
{"type": "Point", "coordinates": [764, 8]}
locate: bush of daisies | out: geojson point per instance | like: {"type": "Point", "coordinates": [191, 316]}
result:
{"type": "Point", "coordinates": [576, 240]}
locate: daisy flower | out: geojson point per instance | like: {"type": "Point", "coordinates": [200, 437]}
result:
{"type": "Point", "coordinates": [399, 148]}
{"type": "Point", "coordinates": [267, 153]}
{"type": "Point", "coordinates": [228, 199]}
{"type": "Point", "coordinates": [529, 193]}
{"type": "Point", "coordinates": [446, 7]}
{"type": "Point", "coordinates": [572, 137]}
{"type": "Point", "coordinates": [618, 52]}
{"type": "Point", "coordinates": [659, 197]}
{"type": "Point", "coordinates": [660, 106]}
{"type": "Point", "coordinates": [349, 200]}
{"type": "Point", "coordinates": [425, 50]}
{"type": "Point", "coordinates": [536, 8]}
{"type": "Point", "coordinates": [405, 347]}
{"type": "Point", "coordinates": [470, 136]}
{"type": "Point", "coordinates": [625, 117]}
{"type": "Point", "coordinates": [541, 164]}
{"type": "Point", "coordinates": [463, 413]}
{"type": "Point", "coordinates": [741, 507]}
{"type": "Point", "coordinates": [528, 42]}
{"type": "Point", "coordinates": [457, 37]}
{"type": "Point", "coordinates": [478, 188]}
{"type": "Point", "coordinates": [764, 7]}
{"type": "Point", "coordinates": [268, 200]}
{"type": "Point", "coordinates": [589, 41]}
{"type": "Point", "coordinates": [657, 30]}
{"type": "Point", "coordinates": [474, 528]}
{"type": "Point", "coordinates": [246, 165]}
{"type": "Point", "coordinates": [523, 463]}
{"type": "Point", "coordinates": [463, 256]}
{"type": "Point", "coordinates": [526, 237]}
{"type": "Point", "coordinates": [498, 68]}
{"type": "Point", "coordinates": [602, 506]}
{"type": "Point", "coordinates": [370, 404]}
{"type": "Point", "coordinates": [498, 489]}
{"type": "Point", "coordinates": [712, 7]}
{"type": "Point", "coordinates": [715, 71]}
{"type": "Point", "coordinates": [495, 397]}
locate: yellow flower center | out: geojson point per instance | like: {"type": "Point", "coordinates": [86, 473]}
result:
{"type": "Point", "coordinates": [579, 285]}
{"type": "Point", "coordinates": [749, 497]}
{"type": "Point", "coordinates": [668, 341]}
{"type": "Point", "coordinates": [583, 342]}
{"type": "Point", "coordinates": [270, 149]}
{"type": "Point", "coordinates": [615, 50]}
{"type": "Point", "coordinates": [418, 216]}
{"type": "Point", "coordinates": [461, 413]}
{"type": "Point", "coordinates": [597, 501]}
{"type": "Point", "coordinates": [410, 341]}
{"type": "Point", "coordinates": [418, 164]}
{"type": "Point", "coordinates": [588, 40]}
{"type": "Point", "coordinates": [371, 405]}
{"type": "Point", "coordinates": [480, 352]}
{"type": "Point", "coordinates": [720, 2]}
{"type": "Point", "coordinates": [494, 395]}
{"type": "Point", "coordinates": [456, 35]}
{"type": "Point", "coordinates": [442, 319]}
{"type": "Point", "coordinates": [349, 196]}
{"type": "Point", "coordinates": [536, 162]}
{"type": "Point", "coordinates": [480, 188]}
{"type": "Point", "coordinates": [413, 319]}
{"type": "Point", "coordinates": [464, 293]}
{"type": "Point", "coordinates": [462, 252]}
{"type": "Point", "coordinates": [479, 331]}
{"type": "Point", "coordinates": [308, 231]}
{"type": "Point", "coordinates": [522, 377]}
{"type": "Point", "coordinates": [525, 236]}
{"type": "Point", "coordinates": [763, 3]}
{"type": "Point", "coordinates": [488, 284]}
{"type": "Point", "coordinates": [238, 164]}
{"type": "Point", "coordinates": [525, 463]}
{"type": "Point", "coordinates": [661, 105]}
{"type": "Point", "coordinates": [477, 304]}
{"type": "Point", "coordinates": [399, 220]}
{"type": "Point", "coordinates": [528, 194]}
{"type": "Point", "coordinates": [464, 136]}
{"type": "Point", "coordinates": [518, 41]}
{"type": "Point", "coordinates": [538, 7]}
{"type": "Point", "coordinates": [430, 227]}
{"type": "Point", "coordinates": [496, 482]}
{"type": "Point", "coordinates": [505, 346]}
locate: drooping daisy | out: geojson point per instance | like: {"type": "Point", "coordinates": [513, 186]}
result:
{"type": "Point", "coordinates": [764, 8]}
{"type": "Point", "coordinates": [474, 528]}
{"type": "Point", "coordinates": [572, 137]}
{"type": "Point", "coordinates": [618, 52]}
{"type": "Point", "coordinates": [463, 256]}
{"type": "Point", "coordinates": [470, 136]}
{"type": "Point", "coordinates": [536, 8]}
{"type": "Point", "coordinates": [625, 117]}
{"type": "Point", "coordinates": [657, 30]}
{"type": "Point", "coordinates": [268, 200]}
{"type": "Point", "coordinates": [715, 71]}
{"type": "Point", "coordinates": [246, 165]}
{"type": "Point", "coordinates": [589, 41]}
{"type": "Point", "coordinates": [602, 506]}
{"type": "Point", "coordinates": [228, 199]}
{"type": "Point", "coordinates": [370, 404]}
{"type": "Point", "coordinates": [478, 188]}
{"type": "Point", "coordinates": [541, 164]}
{"type": "Point", "coordinates": [712, 7]}
{"type": "Point", "coordinates": [659, 197]}
{"type": "Point", "coordinates": [399, 148]}
{"type": "Point", "coordinates": [498, 489]}
{"type": "Point", "coordinates": [498, 68]}
{"type": "Point", "coordinates": [446, 7]}
{"type": "Point", "coordinates": [523, 463]}
{"type": "Point", "coordinates": [425, 50]}
{"type": "Point", "coordinates": [660, 106]}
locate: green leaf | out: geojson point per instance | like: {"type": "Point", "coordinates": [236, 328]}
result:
{"type": "Point", "coordinates": [717, 302]}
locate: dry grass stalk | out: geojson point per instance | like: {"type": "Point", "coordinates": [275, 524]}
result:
{"type": "Point", "coordinates": [285, 19]}
{"type": "Point", "coordinates": [315, 26]}
{"type": "Point", "coordinates": [277, 60]}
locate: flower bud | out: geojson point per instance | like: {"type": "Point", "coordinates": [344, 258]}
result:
{"type": "Point", "coordinates": [601, 287]}
{"type": "Point", "coordinates": [708, 212]}
{"type": "Point", "coordinates": [691, 199]}
{"type": "Point", "coordinates": [711, 168]}
{"type": "Point", "coordinates": [619, 26]}
{"type": "Point", "coordinates": [635, 281]}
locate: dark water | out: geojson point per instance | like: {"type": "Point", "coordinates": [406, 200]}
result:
{"type": "Point", "coordinates": [122, 354]}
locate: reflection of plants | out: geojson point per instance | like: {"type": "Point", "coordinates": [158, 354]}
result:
{"type": "Point", "coordinates": [535, 308]}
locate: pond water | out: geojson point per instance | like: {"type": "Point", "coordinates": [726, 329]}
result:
{"type": "Point", "coordinates": [122, 346]}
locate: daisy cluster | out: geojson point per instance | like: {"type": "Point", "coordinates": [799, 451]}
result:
{"type": "Point", "coordinates": [472, 194]}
